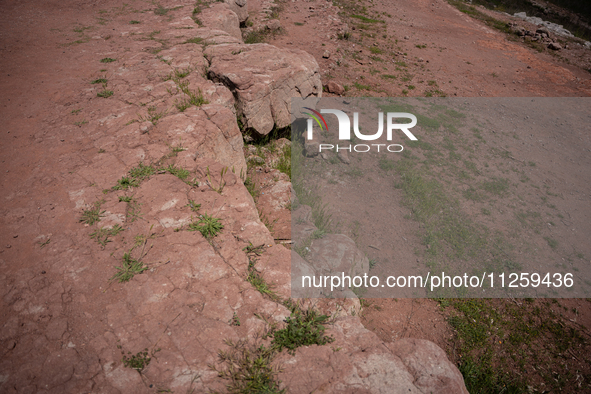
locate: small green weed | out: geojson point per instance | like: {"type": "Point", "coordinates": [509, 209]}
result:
{"type": "Point", "coordinates": [248, 367]}
{"type": "Point", "coordinates": [102, 234]}
{"type": "Point", "coordinates": [195, 40]}
{"type": "Point", "coordinates": [304, 328]}
{"type": "Point", "coordinates": [194, 206]}
{"type": "Point", "coordinates": [105, 93]}
{"type": "Point", "coordinates": [99, 80]}
{"type": "Point", "coordinates": [180, 173]}
{"type": "Point", "coordinates": [235, 320]}
{"type": "Point", "coordinates": [93, 215]}
{"type": "Point", "coordinates": [138, 361]}
{"type": "Point", "coordinates": [207, 225]}
{"type": "Point", "coordinates": [108, 60]}
{"type": "Point", "coordinates": [128, 269]}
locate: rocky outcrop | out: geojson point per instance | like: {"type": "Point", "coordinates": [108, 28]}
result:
{"type": "Point", "coordinates": [263, 79]}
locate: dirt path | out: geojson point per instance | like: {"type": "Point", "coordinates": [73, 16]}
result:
{"type": "Point", "coordinates": [429, 45]}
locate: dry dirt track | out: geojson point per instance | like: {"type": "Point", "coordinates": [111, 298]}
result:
{"type": "Point", "coordinates": [461, 54]}
{"type": "Point", "coordinates": [42, 81]}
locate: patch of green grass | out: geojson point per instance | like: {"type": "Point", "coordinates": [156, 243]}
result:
{"type": "Point", "coordinates": [136, 176]}
{"type": "Point", "coordinates": [102, 234]}
{"type": "Point", "coordinates": [105, 93]}
{"type": "Point", "coordinates": [138, 361]}
{"type": "Point", "coordinates": [134, 22]}
{"type": "Point", "coordinates": [502, 345]}
{"type": "Point", "coordinates": [153, 115]}
{"type": "Point", "coordinates": [366, 19]}
{"type": "Point", "coordinates": [108, 60]}
{"type": "Point", "coordinates": [346, 36]}
{"type": "Point", "coordinates": [180, 173]}
{"type": "Point", "coordinates": [194, 206]}
{"type": "Point", "coordinates": [496, 186]}
{"type": "Point", "coordinates": [386, 164]}
{"type": "Point", "coordinates": [361, 86]}
{"type": "Point", "coordinates": [298, 23]}
{"type": "Point", "coordinates": [193, 97]}
{"type": "Point", "coordinates": [162, 11]}
{"type": "Point", "coordinates": [551, 242]}
{"type": "Point", "coordinates": [376, 50]}
{"type": "Point", "coordinates": [80, 123]}
{"type": "Point", "coordinates": [251, 187]}
{"type": "Point", "coordinates": [388, 76]}
{"type": "Point", "coordinates": [99, 80]}
{"type": "Point", "coordinates": [194, 40]}
{"type": "Point", "coordinates": [284, 162]}
{"type": "Point", "coordinates": [303, 328]}
{"type": "Point", "coordinates": [207, 225]}
{"type": "Point", "coordinates": [258, 36]}
{"type": "Point", "coordinates": [128, 269]}
{"type": "Point", "coordinates": [255, 278]}
{"type": "Point", "coordinates": [92, 215]}
{"type": "Point", "coordinates": [249, 368]}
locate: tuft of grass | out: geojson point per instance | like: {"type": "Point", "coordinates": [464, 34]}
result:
{"type": "Point", "coordinates": [153, 115]}
{"type": "Point", "coordinates": [180, 173]}
{"type": "Point", "coordinates": [284, 163]}
{"type": "Point", "coordinates": [128, 269]}
{"type": "Point", "coordinates": [99, 80]}
{"type": "Point", "coordinates": [376, 50]}
{"type": "Point", "coordinates": [102, 234]}
{"type": "Point", "coordinates": [195, 40]}
{"type": "Point", "coordinates": [107, 60]}
{"type": "Point", "coordinates": [367, 20]}
{"type": "Point", "coordinates": [551, 242]}
{"type": "Point", "coordinates": [92, 215]}
{"type": "Point", "coordinates": [207, 225]}
{"type": "Point", "coordinates": [248, 367]}
{"type": "Point", "coordinates": [136, 176]}
{"type": "Point", "coordinates": [105, 93]}
{"type": "Point", "coordinates": [255, 278]}
{"type": "Point", "coordinates": [134, 22]}
{"type": "Point", "coordinates": [496, 186]}
{"type": "Point", "coordinates": [303, 328]}
{"type": "Point", "coordinates": [138, 361]}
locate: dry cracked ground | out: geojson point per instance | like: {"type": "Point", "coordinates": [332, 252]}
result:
{"type": "Point", "coordinates": [137, 241]}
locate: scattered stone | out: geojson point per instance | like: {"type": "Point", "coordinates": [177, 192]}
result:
{"type": "Point", "coordinates": [326, 54]}
{"type": "Point", "coordinates": [335, 88]}
{"type": "Point", "coordinates": [273, 25]}
{"type": "Point", "coordinates": [406, 37]}
{"type": "Point", "coordinates": [343, 156]}
{"type": "Point", "coordinates": [555, 46]}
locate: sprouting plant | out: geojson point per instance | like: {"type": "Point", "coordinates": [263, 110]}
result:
{"type": "Point", "coordinates": [128, 269]}
{"type": "Point", "coordinates": [222, 183]}
{"type": "Point", "coordinates": [102, 234]}
{"type": "Point", "coordinates": [207, 225]}
{"type": "Point", "coordinates": [92, 215]}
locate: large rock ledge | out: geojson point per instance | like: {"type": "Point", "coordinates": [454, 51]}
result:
{"type": "Point", "coordinates": [263, 78]}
